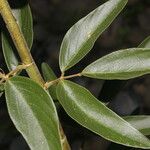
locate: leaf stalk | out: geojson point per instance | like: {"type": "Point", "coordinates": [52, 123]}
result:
{"type": "Point", "coordinates": [50, 83]}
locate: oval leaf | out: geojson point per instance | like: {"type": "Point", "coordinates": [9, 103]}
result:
{"type": "Point", "coordinates": [145, 43]}
{"type": "Point", "coordinates": [24, 20]}
{"type": "Point", "coordinates": [141, 123]}
{"type": "Point", "coordinates": [84, 108]}
{"type": "Point", "coordinates": [109, 85]}
{"type": "Point", "coordinates": [33, 113]}
{"type": "Point", "coordinates": [49, 75]}
{"type": "Point", "coordinates": [81, 37]}
{"type": "Point", "coordinates": [123, 64]}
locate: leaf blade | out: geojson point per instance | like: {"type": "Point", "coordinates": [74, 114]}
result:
{"type": "Point", "coordinates": [1, 89]}
{"type": "Point", "coordinates": [141, 123]}
{"type": "Point", "coordinates": [24, 19]}
{"type": "Point", "coordinates": [122, 64]}
{"type": "Point", "coordinates": [145, 43]}
{"type": "Point", "coordinates": [49, 75]}
{"type": "Point", "coordinates": [34, 115]}
{"type": "Point", "coordinates": [81, 105]}
{"type": "Point", "coordinates": [81, 37]}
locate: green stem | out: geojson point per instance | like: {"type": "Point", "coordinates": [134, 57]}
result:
{"type": "Point", "coordinates": [20, 42]}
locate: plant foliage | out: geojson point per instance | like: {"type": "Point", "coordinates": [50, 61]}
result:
{"type": "Point", "coordinates": [31, 106]}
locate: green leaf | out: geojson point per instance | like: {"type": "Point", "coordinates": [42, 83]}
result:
{"type": "Point", "coordinates": [141, 123]}
{"type": "Point", "coordinates": [24, 19]}
{"type": "Point", "coordinates": [1, 89]}
{"type": "Point", "coordinates": [84, 108]}
{"type": "Point", "coordinates": [33, 113]}
{"type": "Point", "coordinates": [49, 75]}
{"type": "Point", "coordinates": [145, 43]}
{"type": "Point", "coordinates": [81, 37]}
{"type": "Point", "coordinates": [109, 85]}
{"type": "Point", "coordinates": [1, 93]}
{"type": "Point", "coordinates": [123, 64]}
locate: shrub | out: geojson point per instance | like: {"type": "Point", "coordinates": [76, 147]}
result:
{"type": "Point", "coordinates": [30, 99]}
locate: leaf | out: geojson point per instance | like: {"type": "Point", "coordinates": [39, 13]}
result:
{"type": "Point", "coordinates": [1, 89]}
{"type": "Point", "coordinates": [81, 37]}
{"type": "Point", "coordinates": [122, 64]}
{"type": "Point", "coordinates": [84, 108]}
{"type": "Point", "coordinates": [141, 123]}
{"type": "Point", "coordinates": [24, 20]}
{"type": "Point", "coordinates": [109, 84]}
{"type": "Point", "coordinates": [1, 93]}
{"type": "Point", "coordinates": [49, 75]}
{"type": "Point", "coordinates": [145, 43]}
{"type": "Point", "coordinates": [33, 113]}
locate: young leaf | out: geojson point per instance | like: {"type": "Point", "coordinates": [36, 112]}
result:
{"type": "Point", "coordinates": [141, 123]}
{"type": "Point", "coordinates": [84, 108]}
{"type": "Point", "coordinates": [24, 20]}
{"type": "Point", "coordinates": [81, 37]}
{"type": "Point", "coordinates": [33, 113]}
{"type": "Point", "coordinates": [123, 64]}
{"type": "Point", "coordinates": [145, 43]}
{"type": "Point", "coordinates": [49, 75]}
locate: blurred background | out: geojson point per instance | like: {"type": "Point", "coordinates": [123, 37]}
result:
{"type": "Point", "coordinates": [52, 19]}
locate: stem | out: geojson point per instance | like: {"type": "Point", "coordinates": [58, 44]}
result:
{"type": "Point", "coordinates": [23, 51]}
{"type": "Point", "coordinates": [65, 144]}
{"type": "Point", "coordinates": [20, 42]}
{"type": "Point", "coordinates": [72, 76]}
{"type": "Point", "coordinates": [17, 69]}
{"type": "Point", "coordinates": [48, 84]}
{"type": "Point", "coordinates": [5, 77]}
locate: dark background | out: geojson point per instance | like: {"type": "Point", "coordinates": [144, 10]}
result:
{"type": "Point", "coordinates": [52, 19]}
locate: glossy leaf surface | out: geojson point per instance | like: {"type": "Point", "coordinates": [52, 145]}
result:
{"type": "Point", "coordinates": [84, 108]}
{"type": "Point", "coordinates": [49, 75]}
{"type": "Point", "coordinates": [33, 113]}
{"type": "Point", "coordinates": [81, 37]}
{"type": "Point", "coordinates": [141, 123]}
{"type": "Point", "coordinates": [122, 64]}
{"type": "Point", "coordinates": [145, 43]}
{"type": "Point", "coordinates": [24, 19]}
